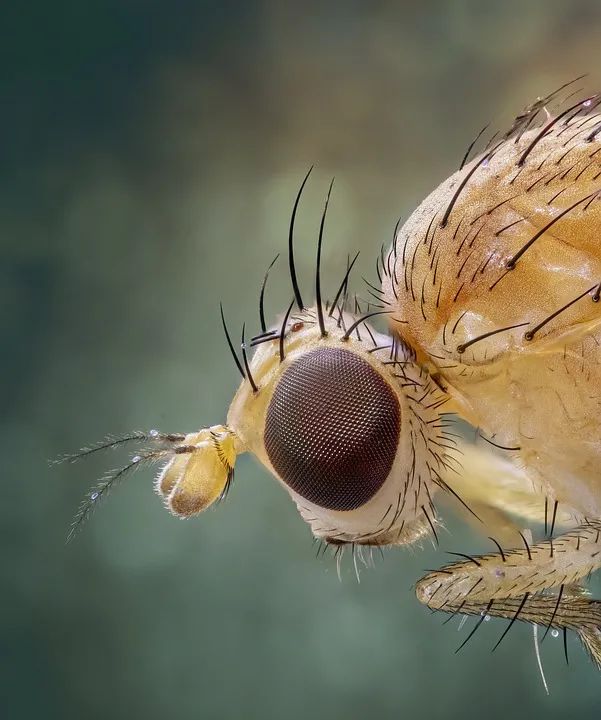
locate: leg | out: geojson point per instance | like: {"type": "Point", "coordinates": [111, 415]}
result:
{"type": "Point", "coordinates": [518, 584]}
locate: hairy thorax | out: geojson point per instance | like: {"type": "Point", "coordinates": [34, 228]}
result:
{"type": "Point", "coordinates": [495, 275]}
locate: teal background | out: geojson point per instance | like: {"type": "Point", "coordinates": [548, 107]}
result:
{"type": "Point", "coordinates": [149, 155]}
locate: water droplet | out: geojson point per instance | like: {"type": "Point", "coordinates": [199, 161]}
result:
{"type": "Point", "coordinates": [486, 618]}
{"type": "Point", "coordinates": [587, 103]}
{"type": "Point", "coordinates": [485, 163]}
{"type": "Point", "coordinates": [154, 433]}
{"type": "Point", "coordinates": [136, 459]}
{"type": "Point", "coordinates": [94, 496]}
{"type": "Point", "coordinates": [555, 633]}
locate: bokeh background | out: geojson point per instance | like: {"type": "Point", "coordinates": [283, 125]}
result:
{"type": "Point", "coordinates": [150, 152]}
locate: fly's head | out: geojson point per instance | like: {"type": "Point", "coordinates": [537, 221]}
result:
{"type": "Point", "coordinates": [341, 414]}
{"type": "Point", "coordinates": [333, 413]}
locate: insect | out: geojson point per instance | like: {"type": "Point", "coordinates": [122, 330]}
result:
{"type": "Point", "coordinates": [491, 291]}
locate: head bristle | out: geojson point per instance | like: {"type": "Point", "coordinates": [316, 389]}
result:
{"type": "Point", "coordinates": [245, 360]}
{"type": "Point", "coordinates": [262, 295]}
{"type": "Point", "coordinates": [322, 326]}
{"type": "Point", "coordinates": [283, 331]}
{"type": "Point", "coordinates": [343, 285]}
{"type": "Point", "coordinates": [229, 342]}
{"type": "Point", "coordinates": [362, 320]}
{"type": "Point", "coordinates": [297, 295]}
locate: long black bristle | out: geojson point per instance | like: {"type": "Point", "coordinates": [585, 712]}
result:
{"type": "Point", "coordinates": [270, 337]}
{"type": "Point", "coordinates": [511, 263]}
{"type": "Point", "coordinates": [513, 619]}
{"type": "Point", "coordinates": [375, 291]}
{"type": "Point", "coordinates": [229, 342]}
{"type": "Point", "coordinates": [283, 331]}
{"type": "Point", "coordinates": [471, 146]}
{"type": "Point", "coordinates": [245, 360]}
{"type": "Point", "coordinates": [322, 326]}
{"type": "Point", "coordinates": [553, 518]}
{"type": "Point", "coordinates": [546, 128]}
{"type": "Point", "coordinates": [431, 524]}
{"type": "Point", "coordinates": [378, 273]}
{"type": "Point", "coordinates": [497, 445]}
{"type": "Point", "coordinates": [504, 558]}
{"type": "Point", "coordinates": [262, 295]}
{"type": "Point", "coordinates": [343, 285]}
{"type": "Point", "coordinates": [263, 335]}
{"type": "Point", "coordinates": [297, 294]}
{"type": "Point", "coordinates": [461, 348]}
{"type": "Point", "coordinates": [526, 545]}
{"type": "Point", "coordinates": [460, 187]}
{"type": "Point", "coordinates": [531, 333]}
{"type": "Point", "coordinates": [466, 557]}
{"type": "Point", "coordinates": [362, 320]}
{"type": "Point", "coordinates": [555, 609]}
{"type": "Point", "coordinates": [476, 626]}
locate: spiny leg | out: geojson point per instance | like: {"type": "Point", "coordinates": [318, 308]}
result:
{"type": "Point", "coordinates": [565, 611]}
{"type": "Point", "coordinates": [533, 583]}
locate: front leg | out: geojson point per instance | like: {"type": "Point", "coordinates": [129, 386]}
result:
{"type": "Point", "coordinates": [532, 583]}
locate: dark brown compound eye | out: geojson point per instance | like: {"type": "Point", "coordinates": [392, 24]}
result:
{"type": "Point", "coordinates": [332, 428]}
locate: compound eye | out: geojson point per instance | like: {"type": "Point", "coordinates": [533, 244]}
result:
{"type": "Point", "coordinates": [332, 428]}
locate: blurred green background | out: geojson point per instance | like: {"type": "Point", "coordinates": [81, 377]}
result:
{"type": "Point", "coordinates": [150, 154]}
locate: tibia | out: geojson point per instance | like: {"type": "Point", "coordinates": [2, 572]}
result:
{"type": "Point", "coordinates": [533, 583]}
{"type": "Point", "coordinates": [531, 568]}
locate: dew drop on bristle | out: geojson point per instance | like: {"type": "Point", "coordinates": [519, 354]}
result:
{"type": "Point", "coordinates": [154, 433]}
{"type": "Point", "coordinates": [94, 496]}
{"type": "Point", "coordinates": [136, 459]}
{"type": "Point", "coordinates": [555, 633]}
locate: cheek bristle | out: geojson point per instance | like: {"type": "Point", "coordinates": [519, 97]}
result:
{"type": "Point", "coordinates": [332, 428]}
